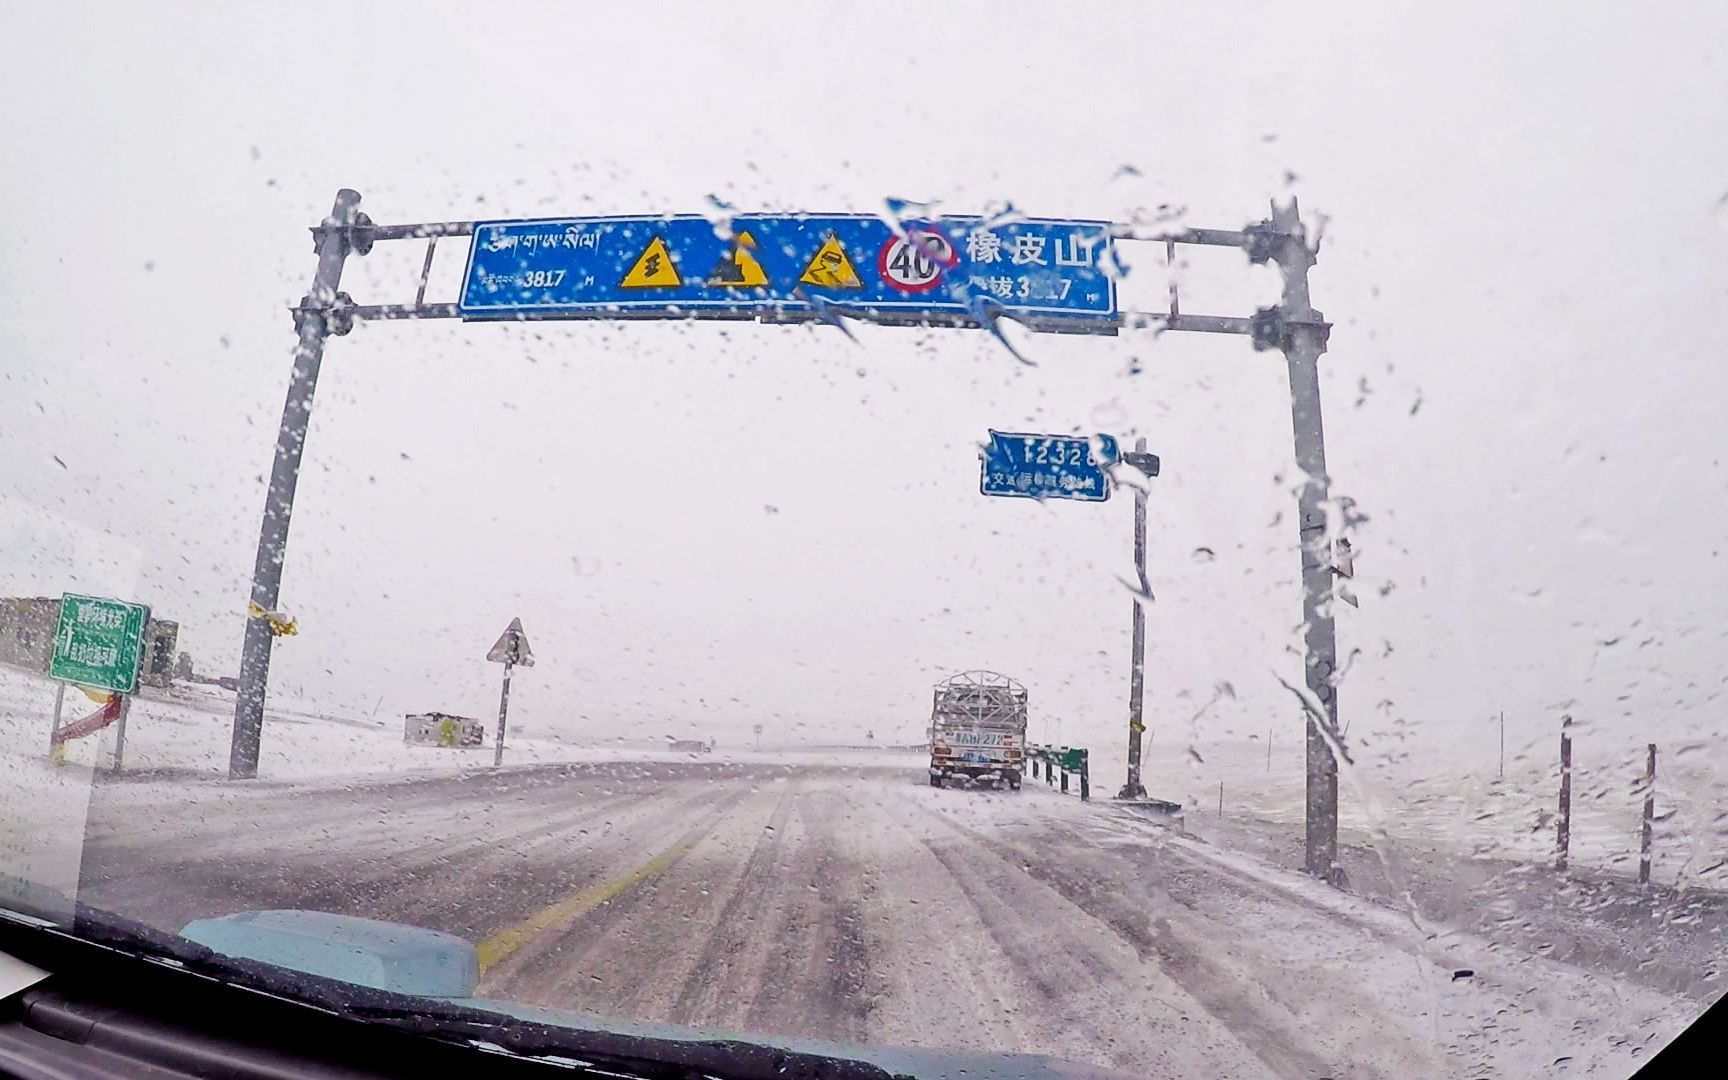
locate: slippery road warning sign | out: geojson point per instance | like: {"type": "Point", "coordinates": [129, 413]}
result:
{"type": "Point", "coordinates": [738, 268]}
{"type": "Point", "coordinates": [512, 646]}
{"type": "Point", "coordinates": [831, 267]}
{"type": "Point", "coordinates": [653, 269]}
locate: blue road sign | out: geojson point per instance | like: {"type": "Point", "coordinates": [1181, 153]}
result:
{"type": "Point", "coordinates": [1050, 275]}
{"type": "Point", "coordinates": [1047, 466]}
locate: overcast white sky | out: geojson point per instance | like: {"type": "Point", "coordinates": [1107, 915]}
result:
{"type": "Point", "coordinates": [703, 526]}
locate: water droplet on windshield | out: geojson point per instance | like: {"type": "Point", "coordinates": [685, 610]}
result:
{"type": "Point", "coordinates": [1111, 416]}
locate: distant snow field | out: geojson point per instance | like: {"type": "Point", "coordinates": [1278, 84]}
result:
{"type": "Point", "coordinates": [182, 734]}
{"type": "Point", "coordinates": [1425, 803]}
{"type": "Point", "coordinates": [185, 732]}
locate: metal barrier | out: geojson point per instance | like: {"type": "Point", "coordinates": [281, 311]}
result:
{"type": "Point", "coordinates": [1062, 761]}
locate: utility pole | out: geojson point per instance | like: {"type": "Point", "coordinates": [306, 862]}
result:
{"type": "Point", "coordinates": [314, 319]}
{"type": "Point", "coordinates": [1148, 466]}
{"type": "Point", "coordinates": [1300, 333]}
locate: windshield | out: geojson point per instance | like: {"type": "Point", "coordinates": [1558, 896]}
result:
{"type": "Point", "coordinates": [1175, 546]}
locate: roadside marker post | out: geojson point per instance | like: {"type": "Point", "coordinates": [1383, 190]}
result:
{"type": "Point", "coordinates": [1055, 275]}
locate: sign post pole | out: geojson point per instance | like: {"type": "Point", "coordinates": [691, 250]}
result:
{"type": "Point", "coordinates": [1148, 466]}
{"type": "Point", "coordinates": [120, 732]}
{"type": "Point", "coordinates": [313, 322]}
{"type": "Point", "coordinates": [54, 745]}
{"type": "Point", "coordinates": [503, 712]}
{"type": "Point", "coordinates": [1137, 665]}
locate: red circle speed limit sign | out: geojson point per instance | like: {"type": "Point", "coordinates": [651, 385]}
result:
{"type": "Point", "coordinates": [914, 262]}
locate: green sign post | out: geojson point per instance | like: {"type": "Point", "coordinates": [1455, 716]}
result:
{"type": "Point", "coordinates": [99, 643]}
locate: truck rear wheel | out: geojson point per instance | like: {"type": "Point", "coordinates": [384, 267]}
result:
{"type": "Point", "coordinates": [935, 781]}
{"type": "Point", "coordinates": [1013, 783]}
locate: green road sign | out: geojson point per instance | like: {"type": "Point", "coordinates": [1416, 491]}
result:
{"type": "Point", "coordinates": [99, 643]}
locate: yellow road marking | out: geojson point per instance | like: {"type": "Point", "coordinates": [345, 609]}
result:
{"type": "Point", "coordinates": [511, 938]}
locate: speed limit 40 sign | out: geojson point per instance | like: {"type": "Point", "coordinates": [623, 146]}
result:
{"type": "Point", "coordinates": [914, 262]}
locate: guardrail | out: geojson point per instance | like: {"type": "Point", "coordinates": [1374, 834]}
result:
{"type": "Point", "coordinates": [1062, 761]}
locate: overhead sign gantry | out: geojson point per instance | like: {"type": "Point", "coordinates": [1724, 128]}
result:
{"type": "Point", "coordinates": [1048, 275]}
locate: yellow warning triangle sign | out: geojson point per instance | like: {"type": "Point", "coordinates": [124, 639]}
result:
{"type": "Point", "coordinates": [738, 269]}
{"type": "Point", "coordinates": [653, 269]}
{"type": "Point", "coordinates": [831, 267]}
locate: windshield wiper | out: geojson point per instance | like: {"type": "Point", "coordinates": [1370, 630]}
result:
{"type": "Point", "coordinates": [450, 1020]}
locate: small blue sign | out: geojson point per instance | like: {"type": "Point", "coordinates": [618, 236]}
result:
{"type": "Point", "coordinates": [1047, 466]}
{"type": "Point", "coordinates": [951, 271]}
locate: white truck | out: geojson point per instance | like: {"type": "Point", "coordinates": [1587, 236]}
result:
{"type": "Point", "coordinates": [978, 729]}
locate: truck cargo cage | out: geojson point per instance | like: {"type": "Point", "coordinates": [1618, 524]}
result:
{"type": "Point", "coordinates": [984, 698]}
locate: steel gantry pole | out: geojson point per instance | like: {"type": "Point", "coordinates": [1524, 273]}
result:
{"type": "Point", "coordinates": [1134, 789]}
{"type": "Point", "coordinates": [315, 319]}
{"type": "Point", "coordinates": [1148, 466]}
{"type": "Point", "coordinates": [1300, 332]}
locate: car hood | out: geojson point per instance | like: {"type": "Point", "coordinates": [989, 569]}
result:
{"type": "Point", "coordinates": [410, 960]}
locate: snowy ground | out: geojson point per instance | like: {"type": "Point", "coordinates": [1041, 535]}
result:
{"type": "Point", "coordinates": [1419, 805]}
{"type": "Point", "coordinates": [860, 905]}
{"type": "Point", "coordinates": [184, 732]}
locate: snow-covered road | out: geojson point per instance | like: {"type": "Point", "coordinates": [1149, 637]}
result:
{"type": "Point", "coordinates": [858, 904]}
